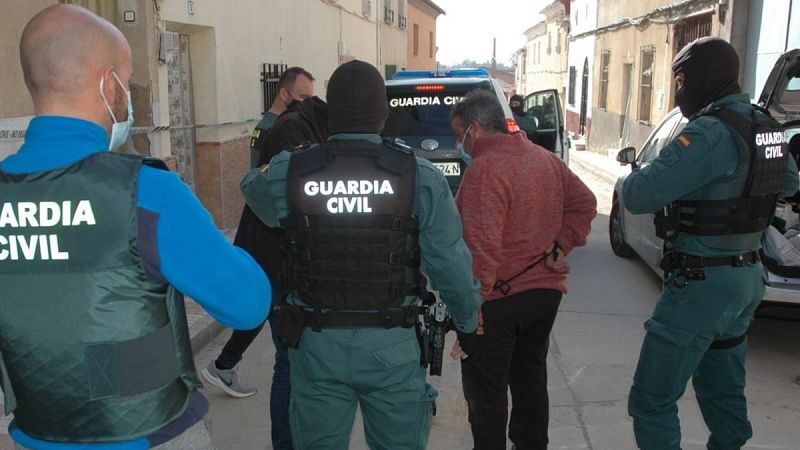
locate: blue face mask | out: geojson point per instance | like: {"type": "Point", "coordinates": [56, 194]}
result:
{"type": "Point", "coordinates": [119, 130]}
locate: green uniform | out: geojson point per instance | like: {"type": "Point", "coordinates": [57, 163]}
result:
{"type": "Point", "coordinates": [706, 162]}
{"type": "Point", "coordinates": [334, 370]}
{"type": "Point", "coordinates": [257, 139]}
{"type": "Point", "coordinates": [526, 124]}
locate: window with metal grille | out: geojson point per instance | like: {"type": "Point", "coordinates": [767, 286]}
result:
{"type": "Point", "coordinates": [646, 83]}
{"type": "Point", "coordinates": [270, 75]}
{"type": "Point", "coordinates": [691, 29]}
{"type": "Point", "coordinates": [605, 61]}
{"type": "Point", "coordinates": [572, 76]}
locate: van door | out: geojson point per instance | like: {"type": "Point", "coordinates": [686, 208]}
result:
{"type": "Point", "coordinates": [545, 108]}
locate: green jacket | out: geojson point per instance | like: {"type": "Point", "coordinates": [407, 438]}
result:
{"type": "Point", "coordinates": [445, 257]}
{"type": "Point", "coordinates": [706, 161]}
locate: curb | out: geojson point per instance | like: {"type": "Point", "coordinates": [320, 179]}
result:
{"type": "Point", "coordinates": [202, 337]}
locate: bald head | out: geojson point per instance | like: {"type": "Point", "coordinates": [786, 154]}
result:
{"type": "Point", "coordinates": [64, 51]}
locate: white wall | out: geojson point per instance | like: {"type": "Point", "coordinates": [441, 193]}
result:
{"type": "Point", "coordinates": [767, 39]}
{"type": "Point", "coordinates": [583, 18]}
{"type": "Point", "coordinates": [230, 41]}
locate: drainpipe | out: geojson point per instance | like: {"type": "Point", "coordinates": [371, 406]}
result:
{"type": "Point", "coordinates": [378, 36]}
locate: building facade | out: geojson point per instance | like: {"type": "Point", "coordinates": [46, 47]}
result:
{"type": "Point", "coordinates": [635, 42]}
{"type": "Point", "coordinates": [202, 72]}
{"type": "Point", "coordinates": [421, 28]}
{"type": "Point", "coordinates": [578, 102]}
{"type": "Point", "coordinates": [542, 63]}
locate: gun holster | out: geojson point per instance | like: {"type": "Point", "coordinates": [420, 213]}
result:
{"type": "Point", "coordinates": [288, 323]}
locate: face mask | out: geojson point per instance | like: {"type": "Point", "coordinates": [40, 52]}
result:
{"type": "Point", "coordinates": [119, 130]}
{"type": "Point", "coordinates": [292, 104]}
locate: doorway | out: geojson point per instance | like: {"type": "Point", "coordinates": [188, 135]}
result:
{"type": "Point", "coordinates": [182, 136]}
{"type": "Point", "coordinates": [584, 97]}
{"type": "Point", "coordinates": [627, 77]}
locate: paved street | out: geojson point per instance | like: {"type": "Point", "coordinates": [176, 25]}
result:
{"type": "Point", "coordinates": [594, 350]}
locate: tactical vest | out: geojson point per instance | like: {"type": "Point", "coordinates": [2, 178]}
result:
{"type": "Point", "coordinates": [352, 238]}
{"type": "Point", "coordinates": [91, 348]}
{"type": "Point", "coordinates": [710, 214]}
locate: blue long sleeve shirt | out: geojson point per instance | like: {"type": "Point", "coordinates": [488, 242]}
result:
{"type": "Point", "coordinates": [186, 251]}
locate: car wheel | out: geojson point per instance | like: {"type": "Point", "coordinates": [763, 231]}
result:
{"type": "Point", "coordinates": [616, 234]}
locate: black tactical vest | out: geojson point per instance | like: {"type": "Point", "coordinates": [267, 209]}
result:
{"type": "Point", "coordinates": [91, 348]}
{"type": "Point", "coordinates": [352, 237]}
{"type": "Point", "coordinates": [752, 211]}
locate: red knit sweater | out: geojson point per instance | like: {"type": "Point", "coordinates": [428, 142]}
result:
{"type": "Point", "coordinates": [515, 199]}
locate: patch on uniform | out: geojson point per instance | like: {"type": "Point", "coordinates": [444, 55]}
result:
{"type": "Point", "coordinates": [264, 168]}
{"type": "Point", "coordinates": [684, 141]}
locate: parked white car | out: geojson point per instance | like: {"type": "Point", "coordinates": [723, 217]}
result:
{"type": "Point", "coordinates": [635, 234]}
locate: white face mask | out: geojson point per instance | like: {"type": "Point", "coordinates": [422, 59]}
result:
{"type": "Point", "coordinates": [119, 130]}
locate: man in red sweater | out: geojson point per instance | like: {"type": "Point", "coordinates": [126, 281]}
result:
{"type": "Point", "coordinates": [523, 211]}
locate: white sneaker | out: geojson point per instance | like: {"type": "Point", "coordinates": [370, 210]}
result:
{"type": "Point", "coordinates": [228, 381]}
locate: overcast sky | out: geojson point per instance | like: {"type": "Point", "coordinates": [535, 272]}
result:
{"type": "Point", "coordinates": [467, 28]}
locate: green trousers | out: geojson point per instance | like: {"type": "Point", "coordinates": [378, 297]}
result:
{"type": "Point", "coordinates": [336, 370]}
{"type": "Point", "coordinates": [689, 316]}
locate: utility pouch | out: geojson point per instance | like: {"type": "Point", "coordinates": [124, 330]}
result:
{"type": "Point", "coordinates": [666, 222]}
{"type": "Point", "coordinates": [289, 326]}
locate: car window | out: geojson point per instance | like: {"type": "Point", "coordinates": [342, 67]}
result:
{"type": "Point", "coordinates": [423, 110]}
{"type": "Point", "coordinates": [542, 107]}
{"type": "Point", "coordinates": [660, 138]}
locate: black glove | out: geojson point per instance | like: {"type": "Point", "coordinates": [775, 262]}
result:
{"type": "Point", "coordinates": [467, 341]}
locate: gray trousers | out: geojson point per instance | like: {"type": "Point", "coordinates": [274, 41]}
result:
{"type": "Point", "coordinates": [194, 438]}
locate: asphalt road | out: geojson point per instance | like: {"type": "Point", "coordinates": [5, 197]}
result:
{"type": "Point", "coordinates": [594, 350]}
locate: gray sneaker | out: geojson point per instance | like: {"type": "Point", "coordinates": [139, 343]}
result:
{"type": "Point", "coordinates": [228, 381]}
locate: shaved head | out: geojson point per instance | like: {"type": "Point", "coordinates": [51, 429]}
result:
{"type": "Point", "coordinates": [65, 48]}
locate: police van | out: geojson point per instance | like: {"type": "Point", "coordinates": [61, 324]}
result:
{"type": "Point", "coordinates": [420, 103]}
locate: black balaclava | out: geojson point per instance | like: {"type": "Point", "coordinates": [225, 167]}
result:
{"type": "Point", "coordinates": [519, 110]}
{"type": "Point", "coordinates": [710, 68]}
{"type": "Point", "coordinates": [356, 99]}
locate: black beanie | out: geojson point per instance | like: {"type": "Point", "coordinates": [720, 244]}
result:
{"type": "Point", "coordinates": [356, 99]}
{"type": "Point", "coordinates": [516, 97]}
{"type": "Point", "coordinates": [711, 71]}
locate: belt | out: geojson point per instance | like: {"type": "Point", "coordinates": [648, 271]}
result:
{"type": "Point", "coordinates": [389, 318]}
{"type": "Point", "coordinates": [678, 260]}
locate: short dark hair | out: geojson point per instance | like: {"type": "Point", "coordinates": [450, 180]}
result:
{"type": "Point", "coordinates": [289, 75]}
{"type": "Point", "coordinates": [483, 107]}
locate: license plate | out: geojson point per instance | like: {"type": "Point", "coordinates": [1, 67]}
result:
{"type": "Point", "coordinates": [449, 169]}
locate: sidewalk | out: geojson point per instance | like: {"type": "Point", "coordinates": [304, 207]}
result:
{"type": "Point", "coordinates": [202, 329]}
{"type": "Point", "coordinates": [602, 166]}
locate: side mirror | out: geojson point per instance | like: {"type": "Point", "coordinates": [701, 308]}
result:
{"type": "Point", "coordinates": [627, 156]}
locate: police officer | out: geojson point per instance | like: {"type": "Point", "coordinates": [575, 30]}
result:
{"type": "Point", "coordinates": [718, 181]}
{"type": "Point", "coordinates": [526, 123]}
{"type": "Point", "coordinates": [362, 217]}
{"type": "Point", "coordinates": [295, 85]}
{"type": "Point", "coordinates": [94, 344]}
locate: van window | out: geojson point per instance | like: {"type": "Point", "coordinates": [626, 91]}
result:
{"type": "Point", "coordinates": [418, 113]}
